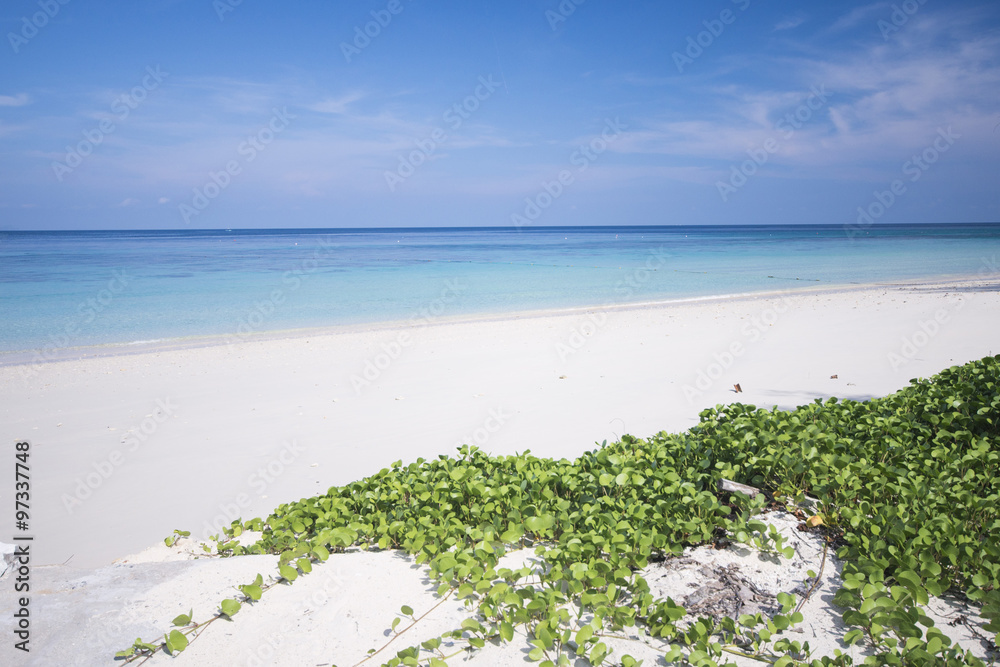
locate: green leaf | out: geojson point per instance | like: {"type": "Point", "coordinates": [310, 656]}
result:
{"type": "Point", "coordinates": [183, 619]}
{"type": "Point", "coordinates": [175, 641]}
{"type": "Point", "coordinates": [472, 625]}
{"type": "Point", "coordinates": [853, 637]}
{"type": "Point", "coordinates": [288, 572]}
{"type": "Point", "coordinates": [909, 579]}
{"type": "Point", "coordinates": [144, 646]}
{"type": "Point", "coordinates": [406, 610]}
{"type": "Point", "coordinates": [537, 524]}
{"type": "Point", "coordinates": [598, 654]}
{"type": "Point", "coordinates": [514, 534]}
{"type": "Point", "coordinates": [584, 635]}
{"type": "Point", "coordinates": [229, 607]}
{"type": "Point", "coordinates": [542, 634]}
{"type": "Point", "coordinates": [506, 631]}
{"type": "Point", "coordinates": [252, 591]}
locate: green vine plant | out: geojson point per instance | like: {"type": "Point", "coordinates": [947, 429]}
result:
{"type": "Point", "coordinates": [171, 540]}
{"type": "Point", "coordinates": [904, 488]}
{"type": "Point", "coordinates": [186, 630]}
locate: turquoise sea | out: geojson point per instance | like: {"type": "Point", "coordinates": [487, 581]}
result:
{"type": "Point", "coordinates": [62, 290]}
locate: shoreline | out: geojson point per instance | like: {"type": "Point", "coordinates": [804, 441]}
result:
{"type": "Point", "coordinates": [36, 356]}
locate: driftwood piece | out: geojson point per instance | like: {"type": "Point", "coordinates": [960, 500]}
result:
{"type": "Point", "coordinates": [733, 487]}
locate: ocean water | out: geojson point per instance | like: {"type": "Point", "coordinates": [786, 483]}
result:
{"type": "Point", "coordinates": [61, 290]}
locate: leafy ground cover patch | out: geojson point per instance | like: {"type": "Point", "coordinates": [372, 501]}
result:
{"type": "Point", "coordinates": [903, 488]}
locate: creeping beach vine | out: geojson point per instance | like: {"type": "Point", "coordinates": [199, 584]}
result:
{"type": "Point", "coordinates": [905, 491]}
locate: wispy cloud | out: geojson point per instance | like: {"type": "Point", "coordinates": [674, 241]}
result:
{"type": "Point", "coordinates": [336, 105]}
{"type": "Point", "coordinates": [885, 100]}
{"type": "Point", "coordinates": [18, 100]}
{"type": "Point", "coordinates": [858, 14]}
{"type": "Point", "coordinates": [791, 22]}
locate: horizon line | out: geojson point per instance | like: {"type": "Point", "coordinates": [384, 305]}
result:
{"type": "Point", "coordinates": [501, 228]}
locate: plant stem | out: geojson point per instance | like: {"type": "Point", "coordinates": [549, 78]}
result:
{"type": "Point", "coordinates": [400, 633]}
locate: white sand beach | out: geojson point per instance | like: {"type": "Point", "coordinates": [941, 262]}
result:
{"type": "Point", "coordinates": [126, 448]}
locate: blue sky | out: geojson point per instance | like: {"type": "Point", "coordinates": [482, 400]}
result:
{"type": "Point", "coordinates": [224, 114]}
